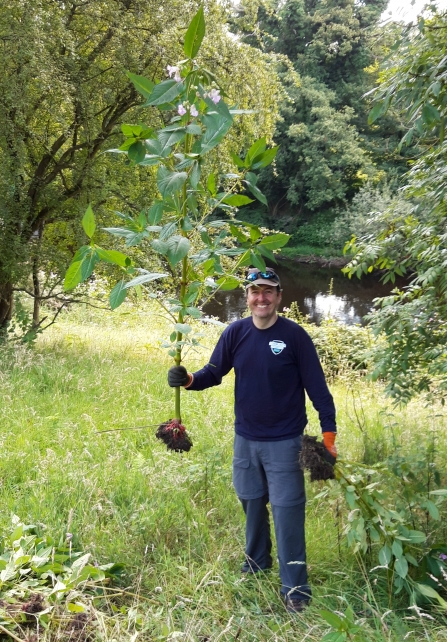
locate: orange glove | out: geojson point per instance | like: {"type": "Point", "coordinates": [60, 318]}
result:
{"type": "Point", "coordinates": [329, 442]}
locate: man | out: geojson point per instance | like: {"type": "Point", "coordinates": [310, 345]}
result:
{"type": "Point", "coordinates": [275, 363]}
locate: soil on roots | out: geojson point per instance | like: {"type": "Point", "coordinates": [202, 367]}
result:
{"type": "Point", "coordinates": [174, 435]}
{"type": "Point", "coordinates": [314, 456]}
{"type": "Point", "coordinates": [34, 605]}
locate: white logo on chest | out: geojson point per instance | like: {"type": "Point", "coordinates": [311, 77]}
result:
{"type": "Point", "coordinates": [277, 346]}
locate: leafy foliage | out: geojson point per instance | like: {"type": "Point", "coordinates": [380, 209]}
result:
{"type": "Point", "coordinates": [203, 254]}
{"type": "Point", "coordinates": [326, 55]}
{"type": "Point", "coordinates": [395, 512]}
{"type": "Point", "coordinates": [341, 348]}
{"type": "Point", "coordinates": [38, 575]}
{"type": "Point", "coordinates": [71, 76]}
{"type": "Point", "coordinates": [412, 241]}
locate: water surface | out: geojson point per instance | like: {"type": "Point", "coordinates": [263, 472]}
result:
{"type": "Point", "coordinates": [318, 291]}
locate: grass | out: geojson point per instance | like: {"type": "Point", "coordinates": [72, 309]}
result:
{"type": "Point", "coordinates": [174, 520]}
{"type": "Point", "coordinates": [300, 250]}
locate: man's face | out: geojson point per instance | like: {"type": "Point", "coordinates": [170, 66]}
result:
{"type": "Point", "coordinates": [263, 301]}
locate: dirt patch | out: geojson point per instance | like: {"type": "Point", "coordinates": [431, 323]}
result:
{"type": "Point", "coordinates": [77, 630]}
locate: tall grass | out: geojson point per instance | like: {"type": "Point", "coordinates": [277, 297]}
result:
{"type": "Point", "coordinates": [174, 520]}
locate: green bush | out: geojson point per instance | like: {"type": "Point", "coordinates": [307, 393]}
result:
{"type": "Point", "coordinates": [341, 347]}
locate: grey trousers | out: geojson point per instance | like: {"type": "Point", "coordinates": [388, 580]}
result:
{"type": "Point", "coordinates": [269, 471]}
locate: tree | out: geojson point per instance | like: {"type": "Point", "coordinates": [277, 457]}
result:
{"type": "Point", "coordinates": [64, 94]}
{"type": "Point", "coordinates": [413, 241]}
{"type": "Point", "coordinates": [324, 157]}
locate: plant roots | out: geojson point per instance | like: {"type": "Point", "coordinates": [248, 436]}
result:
{"type": "Point", "coordinates": [174, 435]}
{"type": "Point", "coordinates": [317, 459]}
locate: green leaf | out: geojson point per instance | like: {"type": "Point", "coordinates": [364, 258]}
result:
{"type": "Point", "coordinates": [401, 567]}
{"type": "Point", "coordinates": [237, 200]}
{"type": "Point", "coordinates": [375, 112]}
{"type": "Point", "coordinates": [141, 84]}
{"type": "Point", "coordinates": [137, 152]}
{"type": "Point", "coordinates": [216, 128]}
{"type": "Point", "coordinates": [168, 230]}
{"type": "Point", "coordinates": [220, 107]}
{"type": "Point", "coordinates": [428, 591]}
{"type": "Point", "coordinates": [118, 294]}
{"type": "Point", "coordinates": [194, 175]}
{"type": "Point", "coordinates": [177, 249]}
{"type": "Point", "coordinates": [385, 555]}
{"type": "Point", "coordinates": [131, 131]}
{"type": "Point", "coordinates": [439, 491]}
{"type": "Point", "coordinates": [257, 260]}
{"type": "Point", "coordinates": [257, 148]}
{"type": "Point", "coordinates": [165, 92]}
{"type": "Point", "coordinates": [193, 312]}
{"type": "Point", "coordinates": [228, 283]}
{"type": "Point", "coordinates": [266, 252]}
{"type": "Point", "coordinates": [236, 160]}
{"type": "Point", "coordinates": [265, 158]}
{"type": "Point", "coordinates": [184, 328]}
{"type": "Point", "coordinates": [257, 193]}
{"type": "Point", "coordinates": [155, 213]}
{"type": "Point", "coordinates": [76, 608]}
{"type": "Point", "coordinates": [417, 537]}
{"type": "Point", "coordinates": [79, 271]}
{"type": "Point", "coordinates": [430, 115]}
{"type": "Point", "coordinates": [396, 547]}
{"type": "Point", "coordinates": [275, 241]}
{"type": "Point", "coordinates": [150, 160]}
{"type": "Point", "coordinates": [88, 222]}
{"type": "Point", "coordinates": [194, 34]}
{"type": "Point", "coordinates": [160, 246]}
{"type": "Point", "coordinates": [194, 129]}
{"type": "Point", "coordinates": [331, 618]}
{"type": "Point", "coordinates": [334, 636]}
{"type": "Point", "coordinates": [169, 138]}
{"type": "Point", "coordinates": [145, 278]}
{"type": "Point", "coordinates": [211, 184]}
{"type": "Point", "coordinates": [412, 560]}
{"type": "Point", "coordinates": [112, 256]}
{"type": "Point", "coordinates": [432, 509]}
{"type": "Point", "coordinates": [170, 182]}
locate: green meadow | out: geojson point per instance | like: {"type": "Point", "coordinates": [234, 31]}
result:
{"type": "Point", "coordinates": [72, 460]}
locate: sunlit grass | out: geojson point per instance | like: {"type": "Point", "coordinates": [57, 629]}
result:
{"type": "Point", "coordinates": [174, 520]}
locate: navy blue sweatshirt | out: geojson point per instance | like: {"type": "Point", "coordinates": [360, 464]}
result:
{"type": "Point", "coordinates": [273, 367]}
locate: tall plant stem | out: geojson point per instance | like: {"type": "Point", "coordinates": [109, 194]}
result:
{"type": "Point", "coordinates": [183, 284]}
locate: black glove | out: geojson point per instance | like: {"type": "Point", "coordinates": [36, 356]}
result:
{"type": "Point", "coordinates": [178, 376]}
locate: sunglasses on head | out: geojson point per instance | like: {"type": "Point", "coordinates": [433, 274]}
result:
{"type": "Point", "coordinates": [252, 276]}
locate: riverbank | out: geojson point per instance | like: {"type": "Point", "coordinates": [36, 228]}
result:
{"type": "Point", "coordinates": [320, 256]}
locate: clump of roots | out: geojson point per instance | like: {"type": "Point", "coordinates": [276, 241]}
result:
{"type": "Point", "coordinates": [174, 435]}
{"type": "Point", "coordinates": [317, 459]}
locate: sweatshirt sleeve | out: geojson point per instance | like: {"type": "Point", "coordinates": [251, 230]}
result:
{"type": "Point", "coordinates": [219, 365]}
{"type": "Point", "coordinates": [315, 384]}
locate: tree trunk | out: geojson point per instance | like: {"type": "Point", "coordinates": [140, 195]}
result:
{"type": "Point", "coordinates": [6, 303]}
{"type": "Point", "coordinates": [36, 288]}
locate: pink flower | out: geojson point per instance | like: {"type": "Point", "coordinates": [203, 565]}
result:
{"type": "Point", "coordinates": [215, 95]}
{"type": "Point", "coordinates": [193, 111]}
{"type": "Point", "coordinates": [174, 71]}
{"type": "Point", "coordinates": [181, 110]}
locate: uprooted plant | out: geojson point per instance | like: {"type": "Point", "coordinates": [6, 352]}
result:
{"type": "Point", "coordinates": [203, 253]}
{"type": "Point", "coordinates": [395, 522]}
{"type": "Point", "coordinates": [46, 583]}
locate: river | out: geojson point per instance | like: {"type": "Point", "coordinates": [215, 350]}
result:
{"type": "Point", "coordinates": [318, 291]}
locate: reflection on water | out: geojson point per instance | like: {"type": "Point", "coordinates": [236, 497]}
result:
{"type": "Point", "coordinates": [319, 292]}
